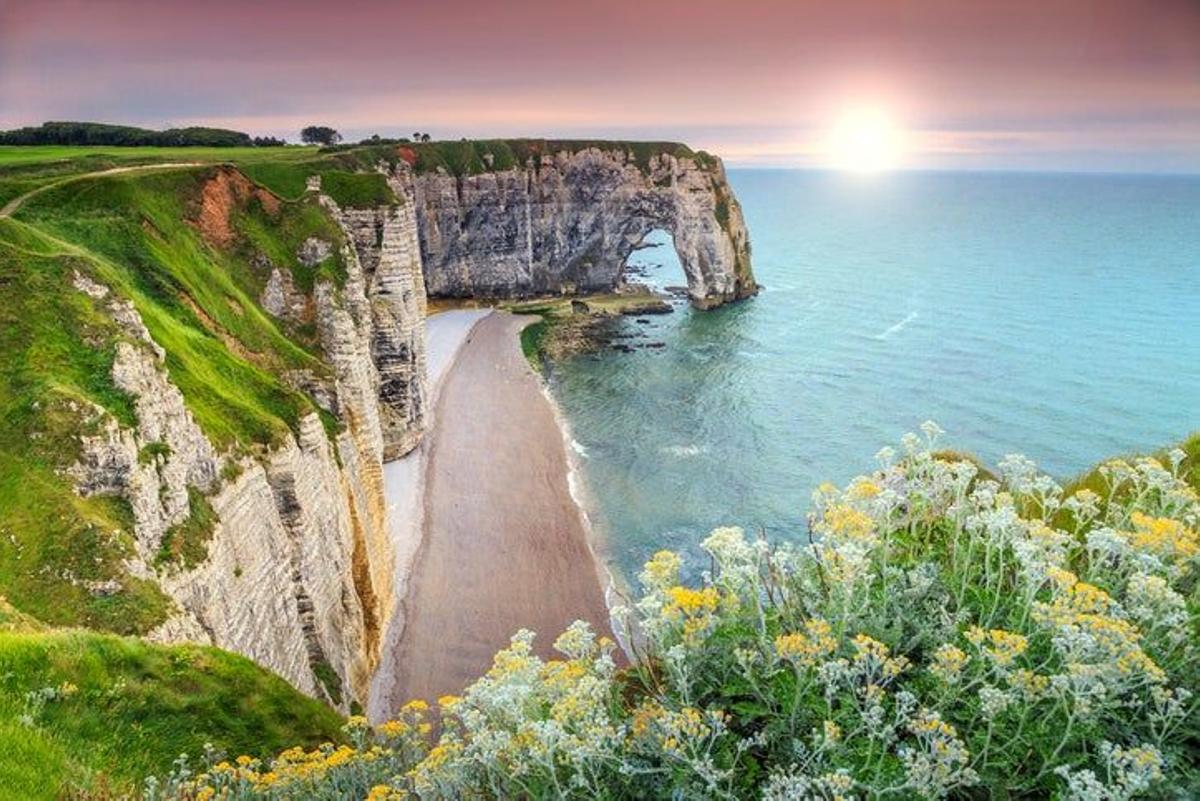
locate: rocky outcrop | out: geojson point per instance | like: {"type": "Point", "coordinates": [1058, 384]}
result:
{"type": "Point", "coordinates": [278, 581]}
{"type": "Point", "coordinates": [154, 464]}
{"type": "Point", "coordinates": [388, 258]}
{"type": "Point", "coordinates": [567, 221]}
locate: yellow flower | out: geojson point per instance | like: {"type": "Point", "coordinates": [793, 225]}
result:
{"type": "Point", "coordinates": [808, 647]}
{"type": "Point", "coordinates": [448, 702]}
{"type": "Point", "coordinates": [1063, 579]}
{"type": "Point", "coordinates": [691, 603]}
{"type": "Point", "coordinates": [645, 716]}
{"type": "Point", "coordinates": [244, 760]}
{"type": "Point", "coordinates": [1006, 646]}
{"type": "Point", "coordinates": [662, 570]}
{"type": "Point", "coordinates": [1163, 536]}
{"type": "Point", "coordinates": [393, 728]}
{"type": "Point", "coordinates": [863, 488]}
{"type": "Point", "coordinates": [267, 779]}
{"type": "Point", "coordinates": [873, 655]}
{"type": "Point", "coordinates": [341, 756]}
{"type": "Point", "coordinates": [948, 663]}
{"type": "Point", "coordinates": [842, 523]}
{"type": "Point", "coordinates": [833, 732]}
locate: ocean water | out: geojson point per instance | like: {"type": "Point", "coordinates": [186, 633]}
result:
{"type": "Point", "coordinates": [1053, 315]}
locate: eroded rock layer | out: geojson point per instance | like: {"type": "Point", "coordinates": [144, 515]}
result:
{"type": "Point", "coordinates": [297, 571]}
{"type": "Point", "coordinates": [567, 221]}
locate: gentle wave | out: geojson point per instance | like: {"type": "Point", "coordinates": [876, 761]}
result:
{"type": "Point", "coordinates": [898, 327]}
{"type": "Point", "coordinates": [683, 451]}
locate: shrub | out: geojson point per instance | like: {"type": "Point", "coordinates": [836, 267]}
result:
{"type": "Point", "coordinates": [944, 634]}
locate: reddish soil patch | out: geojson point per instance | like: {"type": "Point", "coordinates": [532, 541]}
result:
{"type": "Point", "coordinates": [408, 154]}
{"type": "Point", "coordinates": [230, 341]}
{"type": "Point", "coordinates": [226, 190]}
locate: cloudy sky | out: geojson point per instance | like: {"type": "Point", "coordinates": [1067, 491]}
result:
{"type": "Point", "coordinates": [1018, 84]}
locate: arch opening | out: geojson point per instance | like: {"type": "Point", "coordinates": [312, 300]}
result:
{"type": "Point", "coordinates": [654, 262]}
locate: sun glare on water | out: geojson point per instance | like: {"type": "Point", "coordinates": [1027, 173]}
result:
{"type": "Point", "coordinates": [865, 140]}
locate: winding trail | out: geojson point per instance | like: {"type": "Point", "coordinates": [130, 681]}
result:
{"type": "Point", "coordinates": [505, 546]}
{"type": "Point", "coordinates": [11, 206]}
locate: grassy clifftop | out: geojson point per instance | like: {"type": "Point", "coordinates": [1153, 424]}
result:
{"type": "Point", "coordinates": [91, 713]}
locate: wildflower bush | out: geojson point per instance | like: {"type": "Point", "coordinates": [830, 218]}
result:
{"type": "Point", "coordinates": [944, 633]}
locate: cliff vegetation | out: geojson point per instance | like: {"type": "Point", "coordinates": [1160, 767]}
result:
{"type": "Point", "coordinates": [90, 715]}
{"type": "Point", "coordinates": [946, 634]}
{"type": "Point", "coordinates": [191, 250]}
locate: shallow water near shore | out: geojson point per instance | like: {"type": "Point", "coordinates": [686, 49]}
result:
{"type": "Point", "coordinates": [1053, 315]}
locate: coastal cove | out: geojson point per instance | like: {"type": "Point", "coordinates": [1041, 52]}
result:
{"type": "Point", "coordinates": [293, 453]}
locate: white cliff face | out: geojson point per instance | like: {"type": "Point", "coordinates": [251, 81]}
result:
{"type": "Point", "coordinates": [153, 465]}
{"type": "Point", "coordinates": [298, 570]}
{"type": "Point", "coordinates": [569, 222]}
{"type": "Point", "coordinates": [389, 259]}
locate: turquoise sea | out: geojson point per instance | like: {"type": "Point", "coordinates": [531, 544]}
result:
{"type": "Point", "coordinates": [1049, 314]}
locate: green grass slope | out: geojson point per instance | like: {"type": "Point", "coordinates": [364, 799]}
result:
{"type": "Point", "coordinates": [142, 234]}
{"type": "Point", "coordinates": [91, 714]}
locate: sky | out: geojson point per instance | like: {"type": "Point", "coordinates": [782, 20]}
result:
{"type": "Point", "coordinates": [960, 84]}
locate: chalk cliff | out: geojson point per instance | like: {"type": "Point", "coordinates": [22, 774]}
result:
{"type": "Point", "coordinates": [297, 572]}
{"type": "Point", "coordinates": [567, 219]}
{"type": "Point", "coordinates": [389, 255]}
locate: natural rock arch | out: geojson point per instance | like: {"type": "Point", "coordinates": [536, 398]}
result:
{"type": "Point", "coordinates": [567, 222]}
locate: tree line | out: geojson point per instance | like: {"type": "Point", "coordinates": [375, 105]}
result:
{"type": "Point", "coordinates": [95, 133]}
{"type": "Point", "coordinates": [103, 134]}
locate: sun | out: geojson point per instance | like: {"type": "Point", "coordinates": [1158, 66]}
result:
{"type": "Point", "coordinates": [865, 140]}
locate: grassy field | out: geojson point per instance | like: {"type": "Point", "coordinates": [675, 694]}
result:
{"type": "Point", "coordinates": [346, 176]}
{"type": "Point", "coordinates": [87, 712]}
{"type": "Point", "coordinates": [16, 155]}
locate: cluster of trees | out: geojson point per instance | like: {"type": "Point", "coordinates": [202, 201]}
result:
{"type": "Point", "coordinates": [320, 135]}
{"type": "Point", "coordinates": [94, 133]}
{"type": "Point", "coordinates": [327, 137]}
{"type": "Point", "coordinates": [376, 139]}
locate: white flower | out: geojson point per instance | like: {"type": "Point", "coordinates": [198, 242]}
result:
{"type": "Point", "coordinates": [1019, 472]}
{"type": "Point", "coordinates": [993, 701]}
{"type": "Point", "coordinates": [577, 642]}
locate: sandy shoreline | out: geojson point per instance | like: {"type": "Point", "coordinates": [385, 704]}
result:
{"type": "Point", "coordinates": [501, 543]}
{"type": "Point", "coordinates": [404, 484]}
